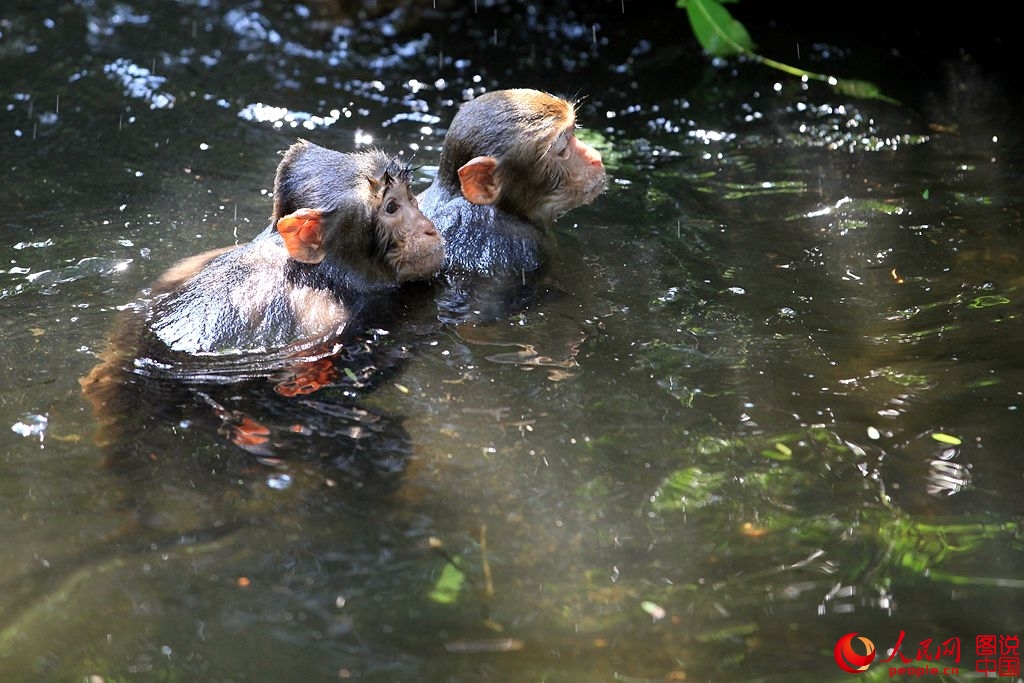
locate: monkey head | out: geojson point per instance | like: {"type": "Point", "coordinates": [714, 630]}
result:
{"type": "Point", "coordinates": [517, 149]}
{"type": "Point", "coordinates": [353, 213]}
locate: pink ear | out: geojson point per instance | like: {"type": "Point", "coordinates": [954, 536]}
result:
{"type": "Point", "coordinates": [303, 234]}
{"type": "Point", "coordinates": [479, 180]}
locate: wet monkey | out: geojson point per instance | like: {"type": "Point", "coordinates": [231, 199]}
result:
{"type": "Point", "coordinates": [344, 228]}
{"type": "Point", "coordinates": [510, 166]}
{"type": "Point", "coordinates": [345, 233]}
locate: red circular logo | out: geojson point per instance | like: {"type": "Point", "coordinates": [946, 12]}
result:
{"type": "Point", "coordinates": [849, 660]}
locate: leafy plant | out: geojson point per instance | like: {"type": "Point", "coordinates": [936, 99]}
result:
{"type": "Point", "coordinates": [722, 36]}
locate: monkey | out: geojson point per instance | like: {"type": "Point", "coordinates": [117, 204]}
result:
{"type": "Point", "coordinates": [345, 233]}
{"type": "Point", "coordinates": [344, 228]}
{"type": "Point", "coordinates": [510, 165]}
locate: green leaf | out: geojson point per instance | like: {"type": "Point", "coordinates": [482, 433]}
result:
{"type": "Point", "coordinates": [781, 452]}
{"type": "Point", "coordinates": [862, 89]}
{"type": "Point", "coordinates": [722, 36]}
{"type": "Point", "coordinates": [946, 438]}
{"type": "Point", "coordinates": [446, 588]}
{"type": "Point", "coordinates": [717, 32]}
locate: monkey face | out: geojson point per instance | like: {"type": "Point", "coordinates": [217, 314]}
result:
{"type": "Point", "coordinates": [571, 174]}
{"type": "Point", "coordinates": [411, 246]}
{"type": "Point", "coordinates": [580, 170]}
{"type": "Point", "coordinates": [353, 214]}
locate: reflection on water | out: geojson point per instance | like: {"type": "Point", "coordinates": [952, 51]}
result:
{"type": "Point", "coordinates": [771, 397]}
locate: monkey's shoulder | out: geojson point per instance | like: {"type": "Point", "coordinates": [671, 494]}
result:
{"type": "Point", "coordinates": [484, 239]}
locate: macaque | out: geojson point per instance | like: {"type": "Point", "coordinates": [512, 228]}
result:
{"type": "Point", "coordinates": [345, 228]}
{"type": "Point", "coordinates": [345, 232]}
{"type": "Point", "coordinates": [510, 166]}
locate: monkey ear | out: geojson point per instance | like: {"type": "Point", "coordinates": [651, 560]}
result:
{"type": "Point", "coordinates": [303, 234]}
{"type": "Point", "coordinates": [479, 180]}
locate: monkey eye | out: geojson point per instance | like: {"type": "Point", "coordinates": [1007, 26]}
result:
{"type": "Point", "coordinates": [562, 150]}
{"type": "Point", "coordinates": [391, 206]}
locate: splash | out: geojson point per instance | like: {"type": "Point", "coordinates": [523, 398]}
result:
{"type": "Point", "coordinates": [281, 117]}
{"type": "Point", "coordinates": [46, 281]}
{"type": "Point", "coordinates": [140, 83]}
{"type": "Point", "coordinates": [30, 425]}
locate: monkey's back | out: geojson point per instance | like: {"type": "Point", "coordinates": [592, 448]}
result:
{"type": "Point", "coordinates": [240, 302]}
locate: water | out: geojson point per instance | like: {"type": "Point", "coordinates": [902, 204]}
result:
{"type": "Point", "coordinates": [774, 397]}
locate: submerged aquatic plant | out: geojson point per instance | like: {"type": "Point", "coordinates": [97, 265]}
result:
{"type": "Point", "coordinates": [722, 36]}
{"type": "Point", "coordinates": [872, 544]}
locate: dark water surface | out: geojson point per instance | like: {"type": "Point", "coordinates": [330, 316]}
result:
{"type": "Point", "coordinates": [775, 397]}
